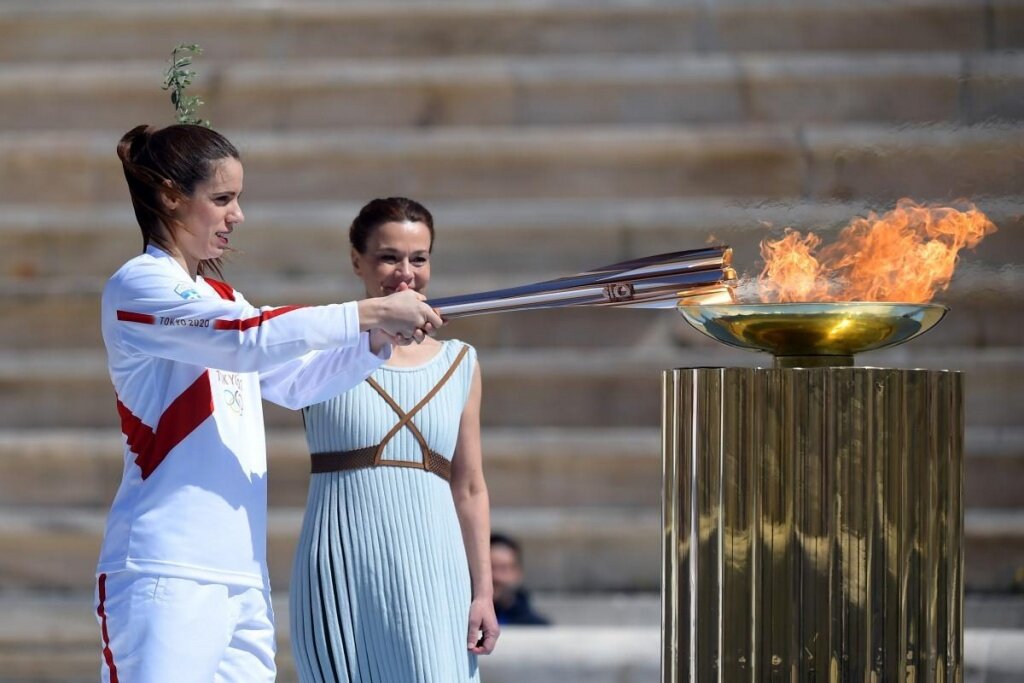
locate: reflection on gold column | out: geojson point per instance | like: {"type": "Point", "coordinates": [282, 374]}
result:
{"type": "Point", "coordinates": [813, 525]}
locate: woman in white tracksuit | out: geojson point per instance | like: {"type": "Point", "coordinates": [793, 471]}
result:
{"type": "Point", "coordinates": [182, 589]}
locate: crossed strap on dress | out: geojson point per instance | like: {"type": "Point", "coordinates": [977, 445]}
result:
{"type": "Point", "coordinates": [372, 456]}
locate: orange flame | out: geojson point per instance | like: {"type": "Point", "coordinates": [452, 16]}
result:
{"type": "Point", "coordinates": [904, 255]}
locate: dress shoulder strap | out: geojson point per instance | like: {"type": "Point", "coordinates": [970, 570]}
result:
{"type": "Point", "coordinates": [405, 418]}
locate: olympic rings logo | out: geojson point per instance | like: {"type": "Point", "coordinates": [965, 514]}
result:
{"type": "Point", "coordinates": [234, 400]}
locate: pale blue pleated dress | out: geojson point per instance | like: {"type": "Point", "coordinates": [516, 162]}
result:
{"type": "Point", "coordinates": [380, 589]}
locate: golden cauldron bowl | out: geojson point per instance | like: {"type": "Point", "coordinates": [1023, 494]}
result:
{"type": "Point", "coordinates": [813, 334]}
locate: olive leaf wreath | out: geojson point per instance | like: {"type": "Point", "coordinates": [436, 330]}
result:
{"type": "Point", "coordinates": [179, 77]}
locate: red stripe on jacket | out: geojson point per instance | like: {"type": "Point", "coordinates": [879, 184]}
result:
{"type": "Point", "coordinates": [255, 321]}
{"type": "Point", "coordinates": [180, 419]}
{"type": "Point", "coordinates": [222, 288]}
{"type": "Point", "coordinates": [129, 317]}
{"type": "Point", "coordinates": [108, 655]}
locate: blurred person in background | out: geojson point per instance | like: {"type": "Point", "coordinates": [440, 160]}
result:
{"type": "Point", "coordinates": [511, 599]}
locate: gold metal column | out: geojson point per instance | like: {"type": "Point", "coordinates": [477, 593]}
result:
{"type": "Point", "coordinates": [813, 525]}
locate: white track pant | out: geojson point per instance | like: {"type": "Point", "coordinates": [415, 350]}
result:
{"type": "Point", "coordinates": [159, 629]}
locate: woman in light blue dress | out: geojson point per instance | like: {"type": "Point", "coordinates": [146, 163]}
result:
{"type": "Point", "coordinates": [392, 576]}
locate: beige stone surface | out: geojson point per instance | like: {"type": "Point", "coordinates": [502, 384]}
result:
{"type": "Point", "coordinates": [927, 163]}
{"type": "Point", "coordinates": [466, 163]}
{"type": "Point", "coordinates": [551, 387]}
{"type": "Point", "coordinates": [505, 240]}
{"type": "Point", "coordinates": [547, 137]}
{"type": "Point", "coordinates": [835, 24]}
{"type": "Point", "coordinates": [525, 467]}
{"type": "Point", "coordinates": [98, 30]}
{"type": "Point", "coordinates": [586, 549]}
{"type": "Point", "coordinates": [49, 639]}
{"type": "Point", "coordinates": [834, 86]}
{"type": "Point", "coordinates": [310, 30]}
{"type": "Point", "coordinates": [985, 313]}
{"type": "Point", "coordinates": [996, 90]}
{"type": "Point", "coordinates": [866, 162]}
{"type": "Point", "coordinates": [1007, 25]}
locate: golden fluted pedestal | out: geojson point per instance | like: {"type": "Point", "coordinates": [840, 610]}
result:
{"type": "Point", "coordinates": [813, 525]}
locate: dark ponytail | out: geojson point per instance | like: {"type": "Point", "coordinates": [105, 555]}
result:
{"type": "Point", "coordinates": [171, 160]}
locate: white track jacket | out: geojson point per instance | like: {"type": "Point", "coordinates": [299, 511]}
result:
{"type": "Point", "coordinates": [190, 361]}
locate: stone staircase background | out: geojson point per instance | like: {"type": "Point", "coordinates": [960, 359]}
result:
{"type": "Point", "coordinates": [546, 137]}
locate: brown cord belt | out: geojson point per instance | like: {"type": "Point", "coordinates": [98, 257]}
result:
{"type": "Point", "coordinates": [342, 461]}
{"type": "Point", "coordinates": [371, 456]}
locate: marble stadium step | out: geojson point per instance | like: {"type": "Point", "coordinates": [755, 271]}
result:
{"type": "Point", "coordinates": [585, 549]}
{"type": "Point", "coordinates": [287, 30]}
{"type": "Point", "coordinates": [996, 611]}
{"type": "Point", "coordinates": [819, 162]}
{"type": "Point", "coordinates": [584, 655]}
{"type": "Point", "coordinates": [578, 90]}
{"type": "Point", "coordinates": [513, 240]}
{"type": "Point", "coordinates": [109, 29]}
{"type": "Point", "coordinates": [994, 468]}
{"type": "Point", "coordinates": [54, 261]}
{"type": "Point", "coordinates": [66, 619]}
{"type": "Point", "coordinates": [558, 389]}
{"type": "Point", "coordinates": [62, 315]}
{"type": "Point", "coordinates": [994, 544]}
{"type": "Point", "coordinates": [47, 637]}
{"type": "Point", "coordinates": [538, 388]}
{"type": "Point", "coordinates": [50, 639]}
{"type": "Point", "coordinates": [524, 467]}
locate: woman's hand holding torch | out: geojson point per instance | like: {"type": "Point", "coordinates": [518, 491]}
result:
{"type": "Point", "coordinates": [402, 318]}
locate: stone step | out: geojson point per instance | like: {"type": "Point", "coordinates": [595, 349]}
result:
{"type": "Point", "coordinates": [547, 655]}
{"type": "Point", "coordinates": [989, 611]}
{"type": "Point", "coordinates": [558, 654]}
{"type": "Point", "coordinates": [63, 315]}
{"type": "Point", "coordinates": [542, 238]}
{"type": "Point", "coordinates": [994, 611]}
{"type": "Point", "coordinates": [567, 389]}
{"type": "Point", "coordinates": [65, 322]}
{"type": "Point", "coordinates": [66, 619]}
{"type": "Point", "coordinates": [525, 467]}
{"type": "Point", "coordinates": [285, 30]}
{"type": "Point", "coordinates": [66, 30]}
{"type": "Point", "coordinates": [994, 468]}
{"type": "Point", "coordinates": [536, 90]}
{"type": "Point", "coordinates": [587, 549]}
{"type": "Point", "coordinates": [53, 263]}
{"type": "Point", "coordinates": [46, 638]}
{"type": "Point", "coordinates": [584, 655]}
{"type": "Point", "coordinates": [815, 161]}
{"type": "Point", "coordinates": [544, 387]}
{"type": "Point", "coordinates": [994, 552]}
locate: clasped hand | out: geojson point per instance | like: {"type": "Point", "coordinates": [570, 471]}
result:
{"type": "Point", "coordinates": [400, 318]}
